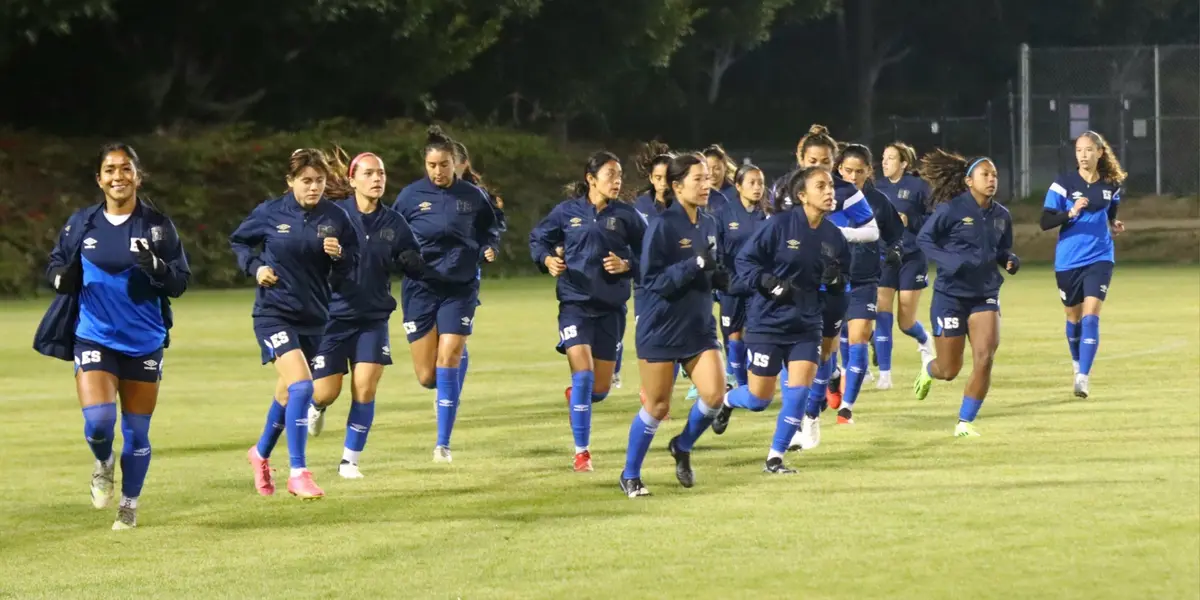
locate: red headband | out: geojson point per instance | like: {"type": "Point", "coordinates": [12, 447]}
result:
{"type": "Point", "coordinates": [354, 163]}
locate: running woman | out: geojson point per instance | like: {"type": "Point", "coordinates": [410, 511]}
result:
{"type": "Point", "coordinates": [740, 219]}
{"type": "Point", "coordinates": [115, 267]}
{"type": "Point", "coordinates": [309, 247]}
{"type": "Point", "coordinates": [600, 237]}
{"type": "Point", "coordinates": [1083, 206]}
{"type": "Point", "coordinates": [968, 238]}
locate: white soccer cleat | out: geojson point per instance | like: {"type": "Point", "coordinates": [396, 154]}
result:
{"type": "Point", "coordinates": [1081, 386]}
{"type": "Point", "coordinates": [965, 429]}
{"type": "Point", "coordinates": [1074, 367]}
{"type": "Point", "coordinates": [616, 381]}
{"type": "Point", "coordinates": [441, 454]}
{"type": "Point", "coordinates": [868, 376]}
{"type": "Point", "coordinates": [349, 470]}
{"type": "Point", "coordinates": [102, 482]}
{"type": "Point", "coordinates": [884, 381]}
{"type": "Point", "coordinates": [126, 516]}
{"type": "Point", "coordinates": [316, 420]}
{"type": "Point", "coordinates": [809, 436]}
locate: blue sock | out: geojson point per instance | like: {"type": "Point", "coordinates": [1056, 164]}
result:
{"type": "Point", "coordinates": [675, 377]}
{"type": "Point", "coordinates": [99, 424]}
{"type": "Point", "coordinates": [641, 434]}
{"type": "Point", "coordinates": [794, 401]}
{"type": "Point", "coordinates": [296, 422]}
{"type": "Point", "coordinates": [582, 383]}
{"type": "Point", "coordinates": [740, 397]}
{"type": "Point", "coordinates": [620, 355]}
{"type": "Point", "coordinates": [844, 347]}
{"type": "Point", "coordinates": [462, 369]}
{"type": "Point", "coordinates": [135, 455]}
{"type": "Point", "coordinates": [699, 419]}
{"type": "Point", "coordinates": [736, 360]}
{"type": "Point", "coordinates": [855, 373]}
{"type": "Point", "coordinates": [917, 332]}
{"type": "Point", "coordinates": [1089, 342]}
{"type": "Point", "coordinates": [1073, 332]}
{"type": "Point", "coordinates": [358, 424]}
{"type": "Point", "coordinates": [598, 396]}
{"type": "Point", "coordinates": [969, 409]}
{"type": "Point", "coordinates": [816, 395]}
{"type": "Point", "coordinates": [883, 340]}
{"type": "Point", "coordinates": [783, 377]}
{"type": "Point", "coordinates": [276, 415]}
{"type": "Point", "coordinates": [447, 403]}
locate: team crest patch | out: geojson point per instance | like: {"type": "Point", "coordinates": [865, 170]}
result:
{"type": "Point", "coordinates": [827, 250]}
{"type": "Point", "coordinates": [387, 234]}
{"type": "Point", "coordinates": [712, 240]}
{"type": "Point", "coordinates": [1108, 194]}
{"type": "Point", "coordinates": [156, 234]}
{"type": "Point", "coordinates": [902, 194]}
{"type": "Point", "coordinates": [999, 225]}
{"type": "Point", "coordinates": [326, 231]}
{"type": "Point", "coordinates": [610, 223]}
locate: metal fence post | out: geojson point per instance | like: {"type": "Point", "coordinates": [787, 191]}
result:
{"type": "Point", "coordinates": [1157, 126]}
{"type": "Point", "coordinates": [1024, 74]}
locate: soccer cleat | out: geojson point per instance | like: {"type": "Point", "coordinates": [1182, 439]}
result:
{"type": "Point", "coordinates": [884, 381]}
{"type": "Point", "coordinates": [316, 420]}
{"type": "Point", "coordinates": [616, 381]}
{"type": "Point", "coordinates": [263, 481]}
{"type": "Point", "coordinates": [126, 518]}
{"type": "Point", "coordinates": [693, 394]}
{"type": "Point", "coordinates": [730, 381]}
{"type": "Point", "coordinates": [965, 429]}
{"type": "Point", "coordinates": [809, 435]}
{"type": "Point", "coordinates": [302, 486]}
{"type": "Point", "coordinates": [441, 454]}
{"type": "Point", "coordinates": [1074, 367]}
{"type": "Point", "coordinates": [1081, 387]}
{"type": "Point", "coordinates": [775, 466]}
{"type": "Point", "coordinates": [845, 416]}
{"type": "Point", "coordinates": [868, 376]}
{"type": "Point", "coordinates": [923, 382]}
{"type": "Point", "coordinates": [721, 421]}
{"type": "Point", "coordinates": [349, 470]}
{"type": "Point", "coordinates": [633, 487]}
{"type": "Point", "coordinates": [102, 482]}
{"type": "Point", "coordinates": [683, 464]}
{"type": "Point", "coordinates": [583, 462]}
{"type": "Point", "coordinates": [833, 394]}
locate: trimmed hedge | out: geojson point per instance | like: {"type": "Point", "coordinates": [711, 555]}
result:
{"type": "Point", "coordinates": [208, 180]}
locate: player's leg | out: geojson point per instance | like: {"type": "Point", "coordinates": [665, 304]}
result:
{"type": "Point", "coordinates": [802, 368]}
{"type": "Point", "coordinates": [858, 334]}
{"type": "Point", "coordinates": [765, 362]}
{"type": "Point", "coordinates": [913, 277]}
{"type": "Point", "coordinates": [295, 377]}
{"type": "Point", "coordinates": [96, 387]}
{"type": "Point", "coordinates": [984, 327]}
{"type": "Point", "coordinates": [329, 366]}
{"type": "Point", "coordinates": [658, 379]}
{"type": "Point", "coordinates": [1095, 289]}
{"type": "Point", "coordinates": [1070, 291]}
{"type": "Point", "coordinates": [138, 390]}
{"type": "Point", "coordinates": [949, 318]}
{"type": "Point", "coordinates": [884, 321]}
{"type": "Point", "coordinates": [364, 384]}
{"type": "Point", "coordinates": [455, 316]}
{"type": "Point", "coordinates": [708, 374]}
{"type": "Point", "coordinates": [419, 306]}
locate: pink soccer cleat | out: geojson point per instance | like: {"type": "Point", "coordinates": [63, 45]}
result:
{"type": "Point", "coordinates": [303, 486]}
{"type": "Point", "coordinates": [262, 472]}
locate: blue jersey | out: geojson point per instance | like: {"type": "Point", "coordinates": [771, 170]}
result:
{"type": "Point", "coordinates": [787, 247]}
{"type": "Point", "coordinates": [737, 224]}
{"type": "Point", "coordinates": [647, 207]}
{"type": "Point", "coordinates": [367, 296]}
{"type": "Point", "coordinates": [969, 245]}
{"type": "Point", "coordinates": [452, 225]}
{"type": "Point", "coordinates": [867, 264]}
{"type": "Point", "coordinates": [587, 237]}
{"type": "Point", "coordinates": [716, 202]}
{"type": "Point", "coordinates": [1086, 239]}
{"type": "Point", "coordinates": [909, 196]}
{"type": "Point", "coordinates": [292, 241]}
{"type": "Point", "coordinates": [676, 312]}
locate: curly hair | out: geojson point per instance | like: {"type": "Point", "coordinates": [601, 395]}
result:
{"type": "Point", "coordinates": [1109, 167]}
{"type": "Point", "coordinates": [652, 154]}
{"type": "Point", "coordinates": [337, 183]}
{"type": "Point", "coordinates": [946, 173]}
{"type": "Point", "coordinates": [817, 136]}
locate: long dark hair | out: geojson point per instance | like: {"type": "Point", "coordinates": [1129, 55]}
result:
{"type": "Point", "coordinates": [719, 153]}
{"type": "Point", "coordinates": [436, 139]}
{"type": "Point", "coordinates": [908, 155]}
{"type": "Point", "coordinates": [337, 183]}
{"type": "Point", "coordinates": [651, 155]}
{"type": "Point", "coordinates": [128, 150]}
{"type": "Point", "coordinates": [592, 167]}
{"type": "Point", "coordinates": [677, 169]}
{"type": "Point", "coordinates": [818, 135]}
{"type": "Point", "coordinates": [946, 173]}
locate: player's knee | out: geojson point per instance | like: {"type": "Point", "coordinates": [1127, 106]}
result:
{"type": "Point", "coordinates": [325, 392]}
{"type": "Point", "coordinates": [950, 369]}
{"type": "Point", "coordinates": [427, 380]}
{"type": "Point", "coordinates": [983, 358]}
{"type": "Point", "coordinates": [136, 429]}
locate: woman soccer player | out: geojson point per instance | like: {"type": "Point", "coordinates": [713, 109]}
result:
{"type": "Point", "coordinates": [967, 236]}
{"type": "Point", "coordinates": [786, 262]}
{"type": "Point", "coordinates": [650, 202]}
{"type": "Point", "coordinates": [356, 338]}
{"type": "Point", "coordinates": [455, 226]}
{"type": "Point", "coordinates": [721, 168]}
{"type": "Point", "coordinates": [679, 270]}
{"type": "Point", "coordinates": [309, 248]}
{"type": "Point", "coordinates": [115, 266]}
{"type": "Point", "coordinates": [909, 196]}
{"type": "Point", "coordinates": [742, 216]}
{"type": "Point", "coordinates": [1083, 205]}
{"type": "Point", "coordinates": [600, 236]}
{"type": "Point", "coordinates": [854, 165]}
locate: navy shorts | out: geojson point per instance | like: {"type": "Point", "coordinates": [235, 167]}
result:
{"type": "Point", "coordinates": [949, 314]}
{"type": "Point", "coordinates": [345, 344]}
{"type": "Point", "coordinates": [599, 328]}
{"type": "Point", "coordinates": [733, 314]}
{"type": "Point", "coordinates": [766, 359]}
{"type": "Point", "coordinates": [90, 356]}
{"type": "Point", "coordinates": [450, 308]}
{"type": "Point", "coordinates": [833, 313]}
{"type": "Point", "coordinates": [1089, 281]}
{"type": "Point", "coordinates": [276, 338]}
{"type": "Point", "coordinates": [863, 298]}
{"type": "Point", "coordinates": [912, 274]}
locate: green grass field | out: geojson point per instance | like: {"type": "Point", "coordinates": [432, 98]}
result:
{"type": "Point", "coordinates": [1060, 498]}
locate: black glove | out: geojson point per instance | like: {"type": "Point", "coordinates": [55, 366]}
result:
{"type": "Point", "coordinates": [411, 264]}
{"type": "Point", "coordinates": [720, 280]}
{"type": "Point", "coordinates": [708, 260]}
{"type": "Point", "coordinates": [832, 274]}
{"type": "Point", "coordinates": [894, 256]}
{"type": "Point", "coordinates": [151, 264]}
{"type": "Point", "coordinates": [68, 278]}
{"type": "Point", "coordinates": [779, 290]}
{"type": "Point", "coordinates": [1016, 264]}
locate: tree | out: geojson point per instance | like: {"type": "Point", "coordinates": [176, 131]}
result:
{"type": "Point", "coordinates": [27, 21]}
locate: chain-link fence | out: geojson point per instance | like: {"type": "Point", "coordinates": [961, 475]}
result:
{"type": "Point", "coordinates": [1145, 100]}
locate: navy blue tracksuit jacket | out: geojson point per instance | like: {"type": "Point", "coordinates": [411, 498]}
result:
{"type": "Point", "coordinates": [969, 245]}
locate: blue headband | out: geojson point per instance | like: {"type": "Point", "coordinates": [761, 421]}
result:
{"type": "Point", "coordinates": [976, 164]}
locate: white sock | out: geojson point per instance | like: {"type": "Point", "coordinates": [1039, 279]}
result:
{"type": "Point", "coordinates": [128, 502]}
{"type": "Point", "coordinates": [1075, 366]}
{"type": "Point", "coordinates": [774, 454]}
{"type": "Point", "coordinates": [297, 472]}
{"type": "Point", "coordinates": [579, 449]}
{"type": "Point", "coordinates": [351, 456]}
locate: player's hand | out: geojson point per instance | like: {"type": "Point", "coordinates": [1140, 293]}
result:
{"type": "Point", "coordinates": [1014, 264]}
{"type": "Point", "coordinates": [559, 252]}
{"type": "Point", "coordinates": [332, 247]}
{"type": "Point", "coordinates": [904, 219]}
{"type": "Point", "coordinates": [489, 254]}
{"type": "Point", "coordinates": [411, 264]}
{"type": "Point", "coordinates": [67, 278]}
{"type": "Point", "coordinates": [777, 289]}
{"type": "Point", "coordinates": [720, 280]}
{"type": "Point", "coordinates": [147, 261]}
{"type": "Point", "coordinates": [615, 265]}
{"type": "Point", "coordinates": [1080, 204]}
{"type": "Point", "coordinates": [555, 265]}
{"type": "Point", "coordinates": [894, 256]}
{"type": "Point", "coordinates": [266, 276]}
{"type": "Point", "coordinates": [1118, 227]}
{"type": "Point", "coordinates": [707, 260]}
